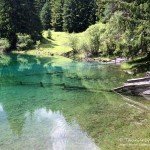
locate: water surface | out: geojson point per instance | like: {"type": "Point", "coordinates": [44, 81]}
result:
{"type": "Point", "coordinates": [45, 105]}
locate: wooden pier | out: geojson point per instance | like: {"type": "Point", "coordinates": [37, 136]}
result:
{"type": "Point", "coordinates": [138, 86]}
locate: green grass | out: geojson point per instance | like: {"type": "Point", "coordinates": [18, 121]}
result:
{"type": "Point", "coordinates": [51, 48]}
{"type": "Point", "coordinates": [57, 45]}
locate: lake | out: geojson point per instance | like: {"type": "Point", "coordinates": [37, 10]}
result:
{"type": "Point", "coordinates": [48, 105]}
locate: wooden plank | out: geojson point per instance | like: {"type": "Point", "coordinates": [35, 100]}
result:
{"type": "Point", "coordinates": [137, 84]}
{"type": "Point", "coordinates": [139, 79]}
{"type": "Point", "coordinates": [146, 92]}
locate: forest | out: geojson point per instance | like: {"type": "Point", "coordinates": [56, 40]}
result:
{"type": "Point", "coordinates": [74, 74]}
{"type": "Point", "coordinates": [114, 28]}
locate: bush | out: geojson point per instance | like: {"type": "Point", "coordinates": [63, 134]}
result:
{"type": "Point", "coordinates": [24, 42]}
{"type": "Point", "coordinates": [4, 44]}
{"type": "Point", "coordinates": [84, 46]}
{"type": "Point", "coordinates": [94, 39]}
{"type": "Point", "coordinates": [73, 42]}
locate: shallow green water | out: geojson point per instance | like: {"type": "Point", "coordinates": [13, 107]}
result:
{"type": "Point", "coordinates": [46, 106]}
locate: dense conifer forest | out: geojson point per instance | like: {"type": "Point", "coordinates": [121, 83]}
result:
{"type": "Point", "coordinates": [119, 27]}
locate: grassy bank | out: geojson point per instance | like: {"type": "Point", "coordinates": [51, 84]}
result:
{"type": "Point", "coordinates": [57, 45]}
{"type": "Point", "coordinates": [62, 43]}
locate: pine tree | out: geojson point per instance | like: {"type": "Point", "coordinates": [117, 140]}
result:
{"type": "Point", "coordinates": [57, 14]}
{"type": "Point", "coordinates": [7, 22]}
{"type": "Point", "coordinates": [39, 5]}
{"type": "Point", "coordinates": [29, 20]}
{"type": "Point", "coordinates": [19, 16]}
{"type": "Point", "coordinates": [78, 15]}
{"type": "Point", "coordinates": [129, 22]}
{"type": "Point", "coordinates": [45, 16]}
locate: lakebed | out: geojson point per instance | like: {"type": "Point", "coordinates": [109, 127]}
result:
{"type": "Point", "coordinates": [46, 103]}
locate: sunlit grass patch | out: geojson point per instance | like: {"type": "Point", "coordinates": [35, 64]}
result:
{"type": "Point", "coordinates": [57, 45]}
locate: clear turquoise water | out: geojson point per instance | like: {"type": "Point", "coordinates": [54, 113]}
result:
{"type": "Point", "coordinates": [45, 106]}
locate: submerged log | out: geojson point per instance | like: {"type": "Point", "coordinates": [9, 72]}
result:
{"type": "Point", "coordinates": [138, 86]}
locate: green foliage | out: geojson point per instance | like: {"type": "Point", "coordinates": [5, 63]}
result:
{"type": "Point", "coordinates": [4, 44]}
{"type": "Point", "coordinates": [91, 41]}
{"type": "Point", "coordinates": [39, 5]}
{"type": "Point", "coordinates": [94, 34]}
{"type": "Point", "coordinates": [18, 16]}
{"type": "Point", "coordinates": [78, 15]}
{"type": "Point", "coordinates": [24, 42]}
{"type": "Point", "coordinates": [73, 42]}
{"type": "Point", "coordinates": [45, 16]}
{"type": "Point", "coordinates": [125, 30]}
{"type": "Point", "coordinates": [38, 43]}
{"type": "Point", "coordinates": [34, 27]}
{"type": "Point", "coordinates": [84, 46]}
{"type": "Point", "coordinates": [57, 14]}
{"type": "Point", "coordinates": [7, 25]}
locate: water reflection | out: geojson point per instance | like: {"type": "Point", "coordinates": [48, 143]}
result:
{"type": "Point", "coordinates": [66, 111]}
{"type": "Point", "coordinates": [23, 112]}
{"type": "Point", "coordinates": [46, 130]}
{"type": "Point", "coordinates": [62, 135]}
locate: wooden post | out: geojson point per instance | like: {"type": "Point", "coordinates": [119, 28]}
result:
{"type": "Point", "coordinates": [41, 84]}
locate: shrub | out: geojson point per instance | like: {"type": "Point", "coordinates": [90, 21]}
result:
{"type": "Point", "coordinates": [24, 42]}
{"type": "Point", "coordinates": [94, 36]}
{"type": "Point", "coordinates": [4, 44]}
{"type": "Point", "coordinates": [73, 42]}
{"type": "Point", "coordinates": [85, 46]}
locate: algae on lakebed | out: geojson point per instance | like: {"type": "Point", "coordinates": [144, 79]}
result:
{"type": "Point", "coordinates": [72, 110]}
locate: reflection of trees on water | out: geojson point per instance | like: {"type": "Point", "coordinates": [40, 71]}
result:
{"type": "Point", "coordinates": [20, 100]}
{"type": "Point", "coordinates": [15, 99]}
{"type": "Point", "coordinates": [32, 71]}
{"type": "Point", "coordinates": [59, 134]}
{"type": "Point", "coordinates": [72, 102]}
